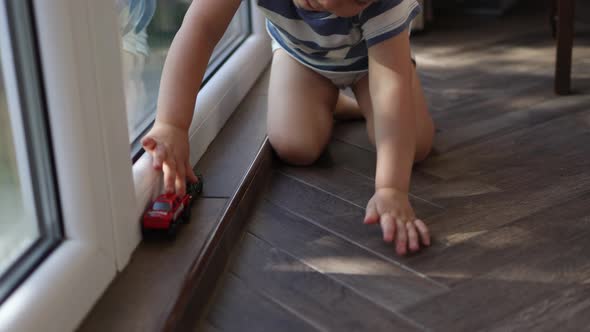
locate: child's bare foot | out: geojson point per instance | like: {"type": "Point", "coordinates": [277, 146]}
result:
{"type": "Point", "coordinates": [347, 108]}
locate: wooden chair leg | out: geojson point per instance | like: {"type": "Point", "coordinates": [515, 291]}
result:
{"type": "Point", "coordinates": [565, 40]}
{"type": "Point", "coordinates": [553, 18]}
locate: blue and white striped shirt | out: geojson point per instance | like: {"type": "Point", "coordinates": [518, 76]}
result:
{"type": "Point", "coordinates": [327, 42]}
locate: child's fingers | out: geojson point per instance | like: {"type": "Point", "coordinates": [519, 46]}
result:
{"type": "Point", "coordinates": [371, 215]}
{"type": "Point", "coordinates": [387, 227]}
{"type": "Point", "coordinates": [148, 143]}
{"type": "Point", "coordinates": [413, 240]}
{"type": "Point", "coordinates": [169, 175]}
{"type": "Point", "coordinates": [190, 174]}
{"type": "Point", "coordinates": [401, 238]}
{"type": "Point", "coordinates": [159, 156]}
{"type": "Point", "coordinates": [423, 230]}
{"type": "Point", "coordinates": [180, 182]}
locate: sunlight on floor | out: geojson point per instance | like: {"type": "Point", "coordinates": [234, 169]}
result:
{"type": "Point", "coordinates": [352, 265]}
{"type": "Point", "coordinates": [572, 275]}
{"type": "Point", "coordinates": [461, 237]}
{"type": "Point", "coordinates": [497, 60]}
{"type": "Point", "coordinates": [348, 265]}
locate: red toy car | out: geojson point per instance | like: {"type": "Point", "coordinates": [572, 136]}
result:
{"type": "Point", "coordinates": [168, 211]}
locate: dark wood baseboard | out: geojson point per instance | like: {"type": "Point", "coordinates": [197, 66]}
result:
{"type": "Point", "coordinates": [200, 282]}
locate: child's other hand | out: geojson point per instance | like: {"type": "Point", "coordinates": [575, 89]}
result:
{"type": "Point", "coordinates": [391, 208]}
{"type": "Point", "coordinates": [168, 145]}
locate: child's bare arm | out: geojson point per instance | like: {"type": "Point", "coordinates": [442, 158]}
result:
{"type": "Point", "coordinates": [167, 142]}
{"type": "Point", "coordinates": [390, 84]}
{"type": "Point", "coordinates": [203, 26]}
{"type": "Point", "coordinates": [395, 121]}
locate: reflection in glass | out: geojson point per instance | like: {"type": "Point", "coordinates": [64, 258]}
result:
{"type": "Point", "coordinates": [147, 28]}
{"type": "Point", "coordinates": [18, 225]}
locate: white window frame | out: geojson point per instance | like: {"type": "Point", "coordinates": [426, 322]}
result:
{"type": "Point", "coordinates": [102, 194]}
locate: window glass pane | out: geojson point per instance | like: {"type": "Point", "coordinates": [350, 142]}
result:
{"type": "Point", "coordinates": [18, 225]}
{"type": "Point", "coordinates": [30, 222]}
{"type": "Point", "coordinates": [147, 28]}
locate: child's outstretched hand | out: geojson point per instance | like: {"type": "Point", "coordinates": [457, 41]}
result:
{"type": "Point", "coordinates": [168, 145]}
{"type": "Point", "coordinates": [391, 208]}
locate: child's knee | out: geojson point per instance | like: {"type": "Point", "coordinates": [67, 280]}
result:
{"type": "Point", "coordinates": [296, 151]}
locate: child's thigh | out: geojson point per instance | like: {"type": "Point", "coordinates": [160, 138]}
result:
{"type": "Point", "coordinates": [300, 107]}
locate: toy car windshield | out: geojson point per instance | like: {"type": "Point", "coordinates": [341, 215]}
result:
{"type": "Point", "coordinates": [161, 206]}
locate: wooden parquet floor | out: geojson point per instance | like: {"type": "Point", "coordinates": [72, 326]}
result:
{"type": "Point", "coordinates": [506, 194]}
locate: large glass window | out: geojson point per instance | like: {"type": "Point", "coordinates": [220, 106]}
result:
{"type": "Point", "coordinates": [29, 217]}
{"type": "Point", "coordinates": [147, 30]}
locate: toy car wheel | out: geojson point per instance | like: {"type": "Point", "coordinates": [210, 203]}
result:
{"type": "Point", "coordinates": [195, 188]}
{"type": "Point", "coordinates": [173, 229]}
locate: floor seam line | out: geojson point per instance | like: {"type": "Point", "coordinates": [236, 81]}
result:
{"type": "Point", "coordinates": [279, 303]}
{"type": "Point", "coordinates": [346, 238]}
{"type": "Point", "coordinates": [397, 314]}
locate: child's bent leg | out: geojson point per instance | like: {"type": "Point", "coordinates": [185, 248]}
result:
{"type": "Point", "coordinates": [300, 106]}
{"type": "Point", "coordinates": [424, 123]}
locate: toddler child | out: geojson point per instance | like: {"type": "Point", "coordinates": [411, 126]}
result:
{"type": "Point", "coordinates": [320, 46]}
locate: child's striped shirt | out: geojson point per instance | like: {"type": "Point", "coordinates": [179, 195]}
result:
{"type": "Point", "coordinates": [328, 42]}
